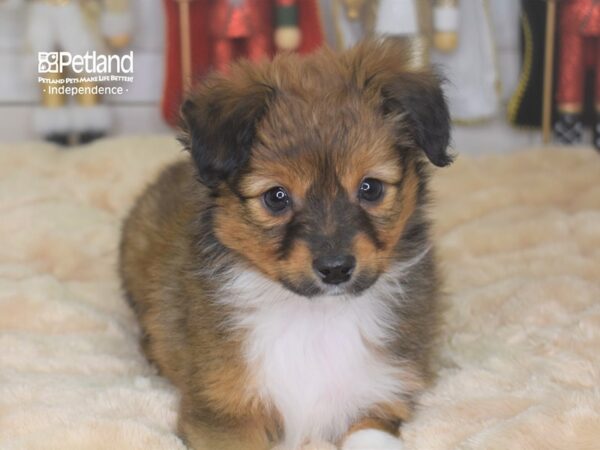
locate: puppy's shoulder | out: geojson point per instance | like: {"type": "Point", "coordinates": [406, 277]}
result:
{"type": "Point", "coordinates": [175, 189]}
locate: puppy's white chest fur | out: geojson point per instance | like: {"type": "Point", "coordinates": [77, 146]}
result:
{"type": "Point", "coordinates": [315, 359]}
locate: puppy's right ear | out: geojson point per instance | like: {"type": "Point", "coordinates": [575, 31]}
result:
{"type": "Point", "coordinates": [219, 121]}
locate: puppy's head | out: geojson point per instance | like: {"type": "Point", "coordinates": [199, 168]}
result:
{"type": "Point", "coordinates": [316, 162]}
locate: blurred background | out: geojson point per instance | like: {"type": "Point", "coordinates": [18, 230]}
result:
{"type": "Point", "coordinates": [493, 52]}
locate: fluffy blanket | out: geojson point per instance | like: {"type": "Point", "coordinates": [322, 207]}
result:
{"type": "Point", "coordinates": [519, 362]}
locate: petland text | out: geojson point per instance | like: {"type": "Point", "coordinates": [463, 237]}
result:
{"type": "Point", "coordinates": [98, 63]}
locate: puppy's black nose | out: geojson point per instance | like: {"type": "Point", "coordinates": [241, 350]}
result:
{"type": "Point", "coordinates": [334, 269]}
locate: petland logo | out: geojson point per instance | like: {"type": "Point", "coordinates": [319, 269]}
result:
{"type": "Point", "coordinates": [91, 74]}
{"type": "Point", "coordinates": [97, 63]}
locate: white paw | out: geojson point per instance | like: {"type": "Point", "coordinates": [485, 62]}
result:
{"type": "Point", "coordinates": [371, 439]}
{"type": "Point", "coordinates": [312, 446]}
{"type": "Point", "coordinates": [319, 446]}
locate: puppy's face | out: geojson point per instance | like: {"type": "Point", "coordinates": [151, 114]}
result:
{"type": "Point", "coordinates": [324, 197]}
{"type": "Point", "coordinates": [315, 163]}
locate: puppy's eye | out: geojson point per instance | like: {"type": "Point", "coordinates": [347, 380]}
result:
{"type": "Point", "coordinates": [370, 190]}
{"type": "Point", "coordinates": [277, 199]}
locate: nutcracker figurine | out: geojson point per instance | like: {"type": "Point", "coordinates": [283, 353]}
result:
{"type": "Point", "coordinates": [348, 21]}
{"type": "Point", "coordinates": [579, 49]}
{"type": "Point", "coordinates": [424, 23]}
{"type": "Point", "coordinates": [468, 58]}
{"type": "Point", "coordinates": [240, 28]}
{"type": "Point", "coordinates": [221, 31]}
{"type": "Point", "coordinates": [70, 25]}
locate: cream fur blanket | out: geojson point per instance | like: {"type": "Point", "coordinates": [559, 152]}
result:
{"type": "Point", "coordinates": [519, 237]}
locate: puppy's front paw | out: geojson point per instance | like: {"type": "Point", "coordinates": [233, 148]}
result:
{"type": "Point", "coordinates": [313, 446]}
{"type": "Point", "coordinates": [319, 446]}
{"type": "Point", "coordinates": [371, 439]}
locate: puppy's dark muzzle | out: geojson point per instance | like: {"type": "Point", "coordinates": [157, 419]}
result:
{"type": "Point", "coordinates": [334, 269]}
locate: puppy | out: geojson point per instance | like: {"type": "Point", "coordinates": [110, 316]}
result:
{"type": "Point", "coordinates": [284, 276]}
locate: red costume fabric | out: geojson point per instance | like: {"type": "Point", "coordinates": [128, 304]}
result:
{"type": "Point", "coordinates": [579, 48]}
{"type": "Point", "coordinates": [223, 30]}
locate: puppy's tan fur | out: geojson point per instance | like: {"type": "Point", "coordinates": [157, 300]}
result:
{"type": "Point", "coordinates": [318, 126]}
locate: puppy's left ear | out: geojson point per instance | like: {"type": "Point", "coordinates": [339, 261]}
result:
{"type": "Point", "coordinates": [219, 120]}
{"type": "Point", "coordinates": [417, 102]}
{"type": "Point", "coordinates": [386, 72]}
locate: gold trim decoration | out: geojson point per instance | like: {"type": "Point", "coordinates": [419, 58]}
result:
{"type": "Point", "coordinates": [354, 8]}
{"type": "Point", "coordinates": [87, 99]}
{"type": "Point", "coordinates": [52, 100]}
{"type": "Point", "coordinates": [516, 99]}
{"type": "Point", "coordinates": [367, 16]}
{"type": "Point", "coordinates": [570, 108]}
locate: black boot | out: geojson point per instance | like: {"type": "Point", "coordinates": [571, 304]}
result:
{"type": "Point", "coordinates": [89, 136]}
{"type": "Point", "coordinates": [568, 128]}
{"type": "Point", "coordinates": [61, 139]}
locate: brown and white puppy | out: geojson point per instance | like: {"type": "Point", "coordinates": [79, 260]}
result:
{"type": "Point", "coordinates": [284, 276]}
